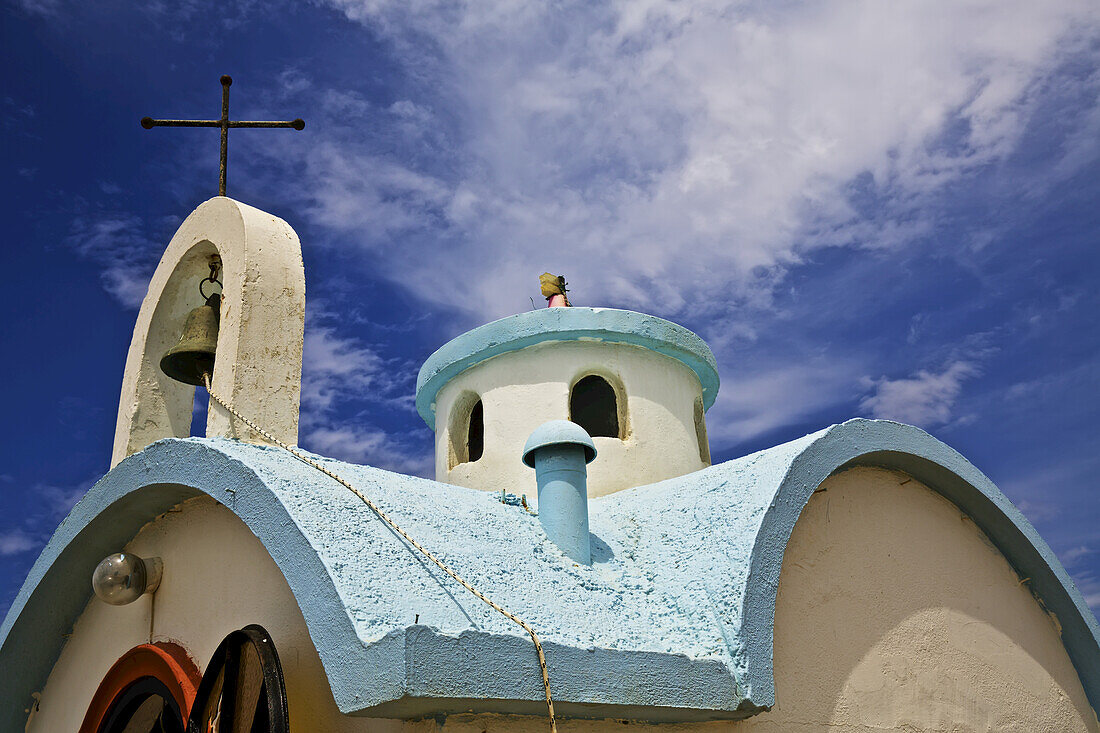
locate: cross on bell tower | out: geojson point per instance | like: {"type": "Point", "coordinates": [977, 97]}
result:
{"type": "Point", "coordinates": [224, 123]}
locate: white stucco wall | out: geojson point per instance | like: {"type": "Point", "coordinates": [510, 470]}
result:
{"type": "Point", "coordinates": [894, 613]}
{"type": "Point", "coordinates": [521, 390]}
{"type": "Point", "coordinates": [217, 578]}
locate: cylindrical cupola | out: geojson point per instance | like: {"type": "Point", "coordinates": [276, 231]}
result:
{"type": "Point", "coordinates": [638, 384]}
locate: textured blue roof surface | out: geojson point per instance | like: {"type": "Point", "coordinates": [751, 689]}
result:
{"type": "Point", "coordinates": [673, 621]}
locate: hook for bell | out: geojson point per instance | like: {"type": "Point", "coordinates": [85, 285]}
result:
{"type": "Point", "coordinates": [193, 356]}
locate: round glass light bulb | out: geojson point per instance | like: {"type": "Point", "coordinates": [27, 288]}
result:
{"type": "Point", "coordinates": [120, 578]}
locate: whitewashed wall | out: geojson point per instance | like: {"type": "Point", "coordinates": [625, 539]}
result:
{"type": "Point", "coordinates": [894, 612]}
{"type": "Point", "coordinates": [521, 390]}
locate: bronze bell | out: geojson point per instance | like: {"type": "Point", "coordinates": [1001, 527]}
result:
{"type": "Point", "coordinates": [193, 356]}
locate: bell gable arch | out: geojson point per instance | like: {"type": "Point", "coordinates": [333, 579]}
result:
{"type": "Point", "coordinates": [258, 365]}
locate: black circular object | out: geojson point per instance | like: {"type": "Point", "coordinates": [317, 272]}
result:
{"type": "Point", "coordinates": [242, 688]}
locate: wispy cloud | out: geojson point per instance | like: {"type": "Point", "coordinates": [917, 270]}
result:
{"type": "Point", "coordinates": [119, 245]}
{"type": "Point", "coordinates": [773, 396]}
{"type": "Point", "coordinates": [924, 399]}
{"type": "Point", "coordinates": [1089, 585]}
{"type": "Point", "coordinates": [44, 8]}
{"type": "Point", "coordinates": [344, 381]}
{"type": "Point", "coordinates": [693, 143]}
{"type": "Point", "coordinates": [678, 159]}
{"type": "Point", "coordinates": [1078, 560]}
{"type": "Point", "coordinates": [373, 446]}
{"type": "Point", "coordinates": [33, 528]}
{"type": "Point", "coordinates": [16, 541]}
{"type": "Point", "coordinates": [336, 367]}
{"type": "Point", "coordinates": [1072, 555]}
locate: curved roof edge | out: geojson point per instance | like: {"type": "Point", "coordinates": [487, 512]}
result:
{"type": "Point", "coordinates": [417, 671]}
{"type": "Point", "coordinates": [893, 445]}
{"type": "Point", "coordinates": [414, 671]}
{"type": "Point", "coordinates": [113, 511]}
{"type": "Point", "coordinates": [564, 324]}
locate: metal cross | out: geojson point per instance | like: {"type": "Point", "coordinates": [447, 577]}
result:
{"type": "Point", "coordinates": [224, 123]}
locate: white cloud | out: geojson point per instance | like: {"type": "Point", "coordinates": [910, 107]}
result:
{"type": "Point", "coordinates": [51, 504]}
{"type": "Point", "coordinates": [1072, 555]}
{"type": "Point", "coordinates": [118, 244]}
{"type": "Point", "coordinates": [677, 158]}
{"type": "Point", "coordinates": [360, 191]}
{"type": "Point", "coordinates": [56, 501]}
{"type": "Point", "coordinates": [335, 367]}
{"type": "Point", "coordinates": [45, 8]}
{"type": "Point", "coordinates": [1037, 510]}
{"type": "Point", "coordinates": [15, 542]}
{"type": "Point", "coordinates": [672, 157]}
{"type": "Point", "coordinates": [765, 399]}
{"type": "Point", "coordinates": [340, 372]}
{"type": "Point", "coordinates": [925, 399]}
{"type": "Point", "coordinates": [1089, 585]}
{"type": "Point", "coordinates": [366, 444]}
{"type": "Point", "coordinates": [632, 143]}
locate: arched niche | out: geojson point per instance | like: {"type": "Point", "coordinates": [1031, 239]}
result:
{"type": "Point", "coordinates": [258, 366]}
{"type": "Point", "coordinates": [597, 402]}
{"type": "Point", "coordinates": [466, 430]}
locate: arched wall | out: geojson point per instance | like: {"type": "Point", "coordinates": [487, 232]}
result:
{"type": "Point", "coordinates": [258, 366]}
{"type": "Point", "coordinates": [885, 444]}
{"type": "Point", "coordinates": [895, 612]}
{"type": "Point", "coordinates": [111, 515]}
{"type": "Point", "coordinates": [960, 641]}
{"type": "Point", "coordinates": [218, 578]}
{"type": "Point", "coordinates": [160, 406]}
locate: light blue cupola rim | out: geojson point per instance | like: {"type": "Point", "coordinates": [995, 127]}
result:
{"type": "Point", "coordinates": [546, 325]}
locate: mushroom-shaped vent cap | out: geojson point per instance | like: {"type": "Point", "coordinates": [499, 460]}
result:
{"type": "Point", "coordinates": [558, 432]}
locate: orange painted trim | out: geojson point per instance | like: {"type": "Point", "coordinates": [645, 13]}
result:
{"type": "Point", "coordinates": [163, 660]}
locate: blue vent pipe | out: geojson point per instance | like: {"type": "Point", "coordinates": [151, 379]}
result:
{"type": "Point", "coordinates": [559, 451]}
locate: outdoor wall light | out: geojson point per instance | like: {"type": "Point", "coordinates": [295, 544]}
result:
{"type": "Point", "coordinates": [122, 578]}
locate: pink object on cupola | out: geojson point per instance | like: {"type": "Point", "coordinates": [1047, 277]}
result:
{"type": "Point", "coordinates": [553, 289]}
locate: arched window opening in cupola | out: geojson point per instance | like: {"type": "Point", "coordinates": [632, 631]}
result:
{"type": "Point", "coordinates": [594, 406]}
{"type": "Point", "coordinates": [467, 430]}
{"type": "Point", "coordinates": [475, 437]}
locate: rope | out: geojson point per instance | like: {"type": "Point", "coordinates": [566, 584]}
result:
{"type": "Point", "coordinates": [394, 526]}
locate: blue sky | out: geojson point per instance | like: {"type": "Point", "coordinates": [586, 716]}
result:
{"type": "Point", "coordinates": [874, 209]}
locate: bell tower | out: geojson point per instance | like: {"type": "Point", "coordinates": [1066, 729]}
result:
{"type": "Point", "coordinates": [249, 334]}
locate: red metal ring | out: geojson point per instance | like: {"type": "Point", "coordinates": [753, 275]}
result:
{"type": "Point", "coordinates": [162, 660]}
